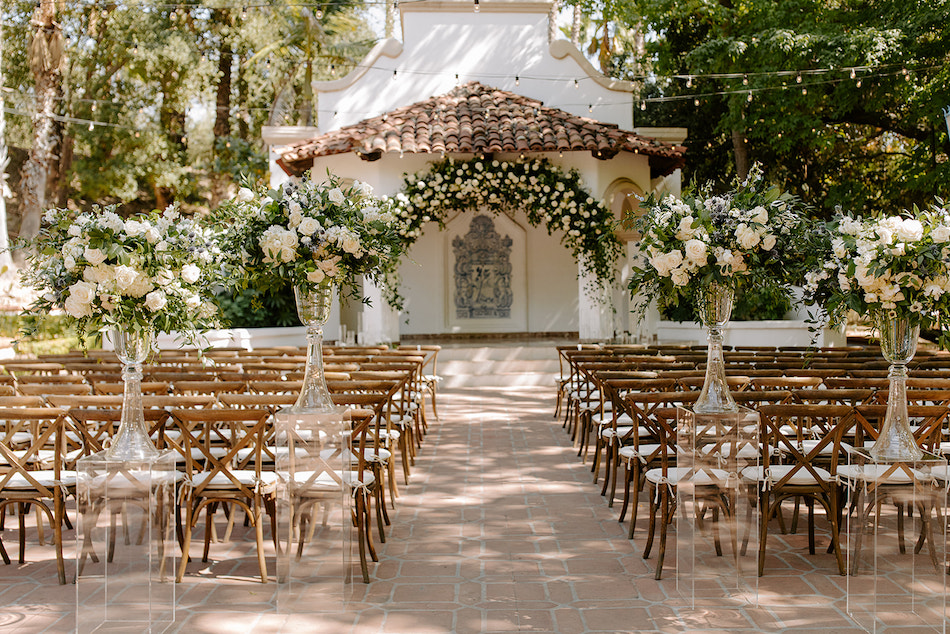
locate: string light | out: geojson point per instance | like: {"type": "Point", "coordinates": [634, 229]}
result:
{"type": "Point", "coordinates": [476, 6]}
{"type": "Point", "coordinates": [745, 80]}
{"type": "Point", "coordinates": [696, 102]}
{"type": "Point", "coordinates": [689, 81]}
{"type": "Point", "coordinates": [517, 81]}
{"type": "Point", "coordinates": [576, 84]}
{"type": "Point", "coordinates": [798, 79]}
{"type": "Point", "coordinates": [590, 107]}
{"type": "Point", "coordinates": [749, 99]}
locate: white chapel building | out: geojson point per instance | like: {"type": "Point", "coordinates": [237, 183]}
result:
{"type": "Point", "coordinates": [489, 83]}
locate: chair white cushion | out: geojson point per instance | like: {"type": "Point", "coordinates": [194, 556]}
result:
{"type": "Point", "coordinates": [46, 478]}
{"type": "Point", "coordinates": [775, 472]}
{"type": "Point", "coordinates": [877, 473]}
{"type": "Point", "coordinates": [244, 476]}
{"type": "Point", "coordinates": [676, 475]}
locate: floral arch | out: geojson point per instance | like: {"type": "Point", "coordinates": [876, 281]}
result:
{"type": "Point", "coordinates": [546, 194]}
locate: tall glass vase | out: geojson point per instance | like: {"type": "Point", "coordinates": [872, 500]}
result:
{"type": "Point", "coordinates": [313, 309]}
{"type": "Point", "coordinates": [715, 308]}
{"type": "Point", "coordinates": [131, 442]}
{"type": "Point", "coordinates": [896, 442]}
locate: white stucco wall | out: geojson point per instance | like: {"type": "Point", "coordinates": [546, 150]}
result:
{"type": "Point", "coordinates": [444, 44]}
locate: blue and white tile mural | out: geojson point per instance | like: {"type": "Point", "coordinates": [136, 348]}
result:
{"type": "Point", "coordinates": [482, 272]}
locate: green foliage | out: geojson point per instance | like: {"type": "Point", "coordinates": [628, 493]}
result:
{"type": "Point", "coordinates": [872, 142]}
{"type": "Point", "coordinates": [250, 308]}
{"type": "Point", "coordinates": [147, 76]}
{"type": "Point", "coordinates": [751, 304]}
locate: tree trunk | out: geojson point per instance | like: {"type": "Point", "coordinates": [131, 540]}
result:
{"type": "Point", "coordinates": [46, 57]}
{"type": "Point", "coordinates": [740, 147]}
{"type": "Point", "coordinates": [6, 262]}
{"type": "Point", "coordinates": [222, 117]}
{"type": "Point", "coordinates": [390, 18]}
{"type": "Point", "coordinates": [552, 20]}
{"type": "Point", "coordinates": [576, 27]}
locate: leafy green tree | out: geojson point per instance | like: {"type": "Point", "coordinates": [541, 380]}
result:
{"type": "Point", "coordinates": [840, 101]}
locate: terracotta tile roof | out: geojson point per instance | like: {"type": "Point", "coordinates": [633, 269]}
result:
{"type": "Point", "coordinates": [475, 118]}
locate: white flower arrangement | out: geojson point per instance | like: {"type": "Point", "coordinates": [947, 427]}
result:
{"type": "Point", "coordinates": [309, 234]}
{"type": "Point", "coordinates": [151, 272]}
{"type": "Point", "coordinates": [545, 193]}
{"type": "Point", "coordinates": [750, 236]}
{"type": "Point", "coordinates": [885, 266]}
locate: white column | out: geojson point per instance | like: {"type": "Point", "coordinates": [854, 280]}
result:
{"type": "Point", "coordinates": [594, 309]}
{"type": "Point", "coordinates": [379, 323]}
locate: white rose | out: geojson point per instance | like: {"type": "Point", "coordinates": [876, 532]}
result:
{"type": "Point", "coordinates": [95, 257]}
{"type": "Point", "coordinates": [77, 309]}
{"type": "Point", "coordinates": [309, 226]}
{"type": "Point", "coordinates": [666, 262]}
{"type": "Point", "coordinates": [316, 276]}
{"type": "Point", "coordinates": [134, 227]}
{"type": "Point", "coordinates": [288, 254]}
{"type": "Point", "coordinates": [245, 195]}
{"type": "Point", "coordinates": [152, 235]}
{"type": "Point", "coordinates": [747, 236]}
{"type": "Point", "coordinates": [351, 244]}
{"type": "Point", "coordinates": [940, 233]}
{"type": "Point", "coordinates": [192, 300]}
{"type": "Point", "coordinates": [336, 195]}
{"type": "Point", "coordinates": [364, 188]}
{"type": "Point", "coordinates": [125, 277]}
{"type": "Point", "coordinates": [696, 252]}
{"type": "Point", "coordinates": [680, 277]}
{"type": "Point", "coordinates": [838, 248]}
{"type": "Point", "coordinates": [768, 242]}
{"type": "Point", "coordinates": [910, 230]}
{"type": "Point", "coordinates": [163, 278]}
{"type": "Point", "coordinates": [885, 235]}
{"type": "Point", "coordinates": [74, 230]}
{"type": "Point", "coordinates": [69, 262]}
{"type": "Point", "coordinates": [155, 301]}
{"type": "Point", "coordinates": [83, 292]}
{"type": "Point", "coordinates": [760, 215]}
{"type": "Point", "coordinates": [685, 229]}
{"type": "Point", "coordinates": [190, 273]}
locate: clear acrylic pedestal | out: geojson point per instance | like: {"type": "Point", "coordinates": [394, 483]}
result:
{"type": "Point", "coordinates": [125, 544]}
{"type": "Point", "coordinates": [315, 568]}
{"type": "Point", "coordinates": [716, 517]}
{"type": "Point", "coordinates": [896, 543]}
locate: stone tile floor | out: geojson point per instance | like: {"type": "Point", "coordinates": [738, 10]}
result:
{"type": "Point", "coordinates": [499, 530]}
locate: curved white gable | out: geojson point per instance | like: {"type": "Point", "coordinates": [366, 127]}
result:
{"type": "Point", "coordinates": [504, 45]}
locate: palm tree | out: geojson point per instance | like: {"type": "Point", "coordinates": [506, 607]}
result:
{"type": "Point", "coordinates": [309, 36]}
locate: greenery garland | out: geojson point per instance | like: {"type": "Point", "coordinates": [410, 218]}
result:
{"type": "Point", "coordinates": [543, 191]}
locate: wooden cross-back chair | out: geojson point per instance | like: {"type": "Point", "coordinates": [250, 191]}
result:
{"type": "Point", "coordinates": [30, 478]}
{"type": "Point", "coordinates": [216, 478]}
{"type": "Point", "coordinates": [902, 484]}
{"type": "Point", "coordinates": [800, 456]}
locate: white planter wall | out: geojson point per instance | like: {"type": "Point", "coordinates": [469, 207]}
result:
{"type": "Point", "coordinates": [776, 332]}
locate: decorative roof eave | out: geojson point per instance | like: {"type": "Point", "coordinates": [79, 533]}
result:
{"type": "Point", "coordinates": [475, 118]}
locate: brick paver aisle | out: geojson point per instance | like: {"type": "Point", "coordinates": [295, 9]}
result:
{"type": "Point", "coordinates": [499, 530]}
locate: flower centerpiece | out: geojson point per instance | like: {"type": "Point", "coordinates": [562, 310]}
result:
{"type": "Point", "coordinates": [314, 236]}
{"type": "Point", "coordinates": [131, 279]}
{"type": "Point", "coordinates": [896, 270]}
{"type": "Point", "coordinates": [704, 248]}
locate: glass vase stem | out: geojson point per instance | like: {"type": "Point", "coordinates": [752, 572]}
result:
{"type": "Point", "coordinates": [715, 308]}
{"type": "Point", "coordinates": [896, 440]}
{"type": "Point", "coordinates": [131, 441]}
